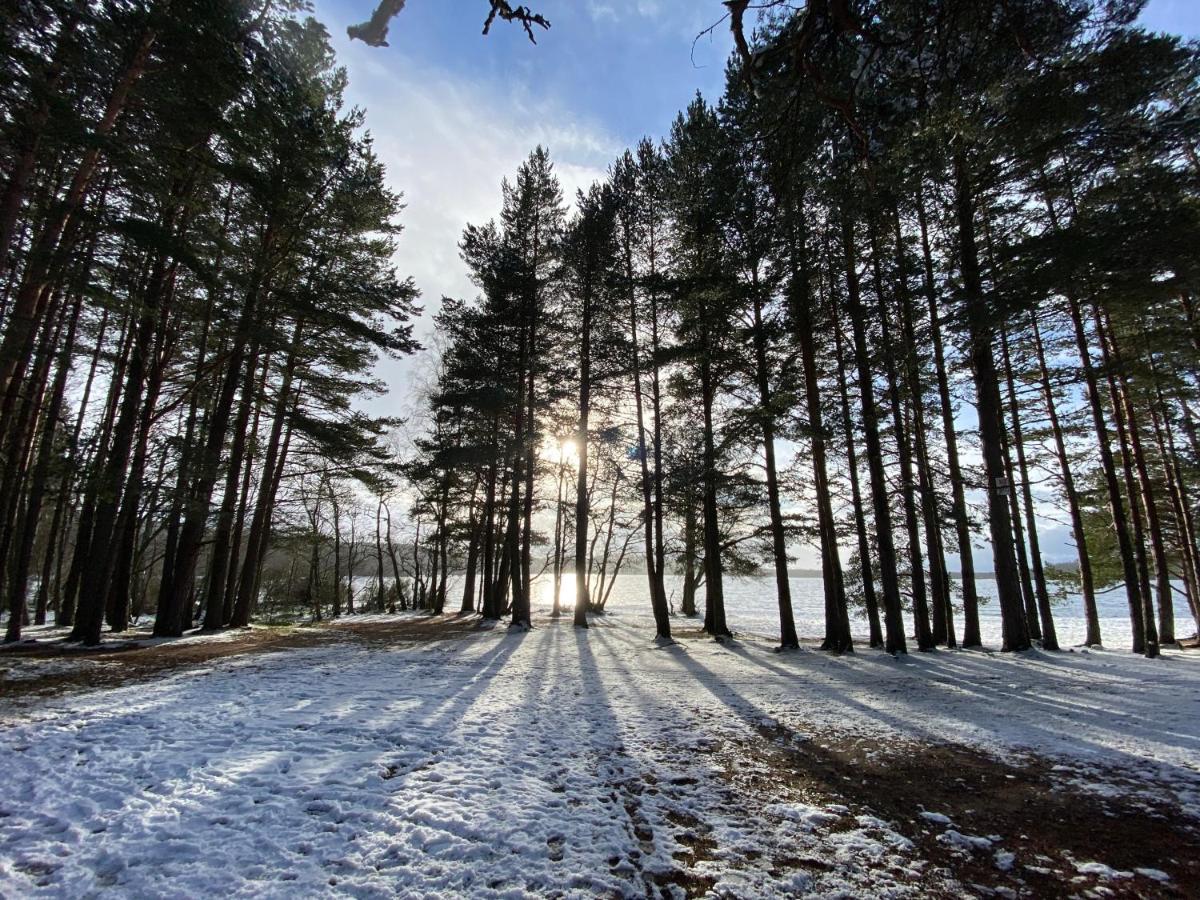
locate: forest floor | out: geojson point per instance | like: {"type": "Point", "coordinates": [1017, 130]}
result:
{"type": "Point", "coordinates": [414, 756]}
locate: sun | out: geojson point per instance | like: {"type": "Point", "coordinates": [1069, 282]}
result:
{"type": "Point", "coordinates": [560, 450]}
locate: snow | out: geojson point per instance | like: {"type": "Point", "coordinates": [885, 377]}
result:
{"type": "Point", "coordinates": [962, 841]}
{"type": "Point", "coordinates": [1100, 870]}
{"type": "Point", "coordinates": [751, 606]}
{"type": "Point", "coordinates": [936, 817]}
{"type": "Point", "coordinates": [1153, 874]}
{"type": "Point", "coordinates": [514, 764]}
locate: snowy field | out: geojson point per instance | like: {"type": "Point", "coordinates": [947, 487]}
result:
{"type": "Point", "coordinates": [554, 763]}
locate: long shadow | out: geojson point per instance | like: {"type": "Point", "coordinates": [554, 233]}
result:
{"type": "Point", "coordinates": [986, 700]}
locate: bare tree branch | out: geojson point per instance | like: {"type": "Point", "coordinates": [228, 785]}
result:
{"type": "Point", "coordinates": [374, 31]}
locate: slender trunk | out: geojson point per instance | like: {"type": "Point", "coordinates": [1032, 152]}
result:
{"type": "Point", "coordinates": [556, 609]}
{"type": "Point", "coordinates": [1177, 486]}
{"type": "Point", "coordinates": [1107, 464]}
{"type": "Point", "coordinates": [272, 471]}
{"type": "Point", "coordinates": [988, 407]}
{"type": "Point", "coordinates": [920, 600]}
{"type": "Point", "coordinates": [962, 523]}
{"type": "Point", "coordinates": [787, 623]}
{"type": "Point", "coordinates": [837, 614]}
{"type": "Point", "coordinates": [1139, 489]}
{"type": "Point", "coordinates": [1086, 581]}
{"type": "Point", "coordinates": [942, 611]}
{"type": "Point", "coordinates": [860, 518]}
{"type": "Point", "coordinates": [178, 584]}
{"type": "Point", "coordinates": [20, 562]}
{"type": "Point", "coordinates": [582, 439]}
{"type": "Point", "coordinates": [123, 462]}
{"type": "Point", "coordinates": [688, 600]}
{"type": "Point", "coordinates": [490, 603]}
{"type": "Point", "coordinates": [473, 547]}
{"type": "Point", "coordinates": [714, 591]}
{"type": "Point", "coordinates": [894, 641]}
{"type": "Point", "coordinates": [1048, 634]}
{"type": "Point", "coordinates": [658, 595]}
{"type": "Point", "coordinates": [214, 598]}
{"type": "Point", "coordinates": [24, 526]}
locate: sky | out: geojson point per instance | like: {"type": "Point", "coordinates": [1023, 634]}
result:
{"type": "Point", "coordinates": [453, 112]}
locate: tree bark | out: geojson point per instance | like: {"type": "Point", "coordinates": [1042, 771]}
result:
{"type": "Point", "coordinates": [962, 523]}
{"type": "Point", "coordinates": [894, 640]}
{"type": "Point", "coordinates": [988, 406]}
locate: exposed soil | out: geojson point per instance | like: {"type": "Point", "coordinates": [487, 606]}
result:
{"type": "Point", "coordinates": [121, 662]}
{"type": "Point", "coordinates": [1050, 828]}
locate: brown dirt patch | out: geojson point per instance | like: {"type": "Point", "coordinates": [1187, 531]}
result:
{"type": "Point", "coordinates": [1048, 826]}
{"type": "Point", "coordinates": [123, 661]}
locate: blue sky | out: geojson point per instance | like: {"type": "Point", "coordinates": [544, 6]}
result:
{"type": "Point", "coordinates": [453, 112]}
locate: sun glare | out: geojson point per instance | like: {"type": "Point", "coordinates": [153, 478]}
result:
{"type": "Point", "coordinates": [561, 450]}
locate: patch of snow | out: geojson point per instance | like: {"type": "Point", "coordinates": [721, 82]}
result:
{"type": "Point", "coordinates": [1153, 874]}
{"type": "Point", "coordinates": [803, 814]}
{"type": "Point", "coordinates": [954, 838]}
{"type": "Point", "coordinates": [1100, 870]}
{"type": "Point", "coordinates": [935, 817]}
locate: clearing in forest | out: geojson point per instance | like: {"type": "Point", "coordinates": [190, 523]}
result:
{"type": "Point", "coordinates": [415, 757]}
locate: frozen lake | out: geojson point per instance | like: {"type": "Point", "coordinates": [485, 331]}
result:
{"type": "Point", "coordinates": [751, 606]}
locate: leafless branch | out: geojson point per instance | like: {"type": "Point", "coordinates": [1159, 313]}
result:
{"type": "Point", "coordinates": [374, 31]}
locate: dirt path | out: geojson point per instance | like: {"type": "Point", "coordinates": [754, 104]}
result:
{"type": "Point", "coordinates": [51, 668]}
{"type": "Point", "coordinates": [1007, 828]}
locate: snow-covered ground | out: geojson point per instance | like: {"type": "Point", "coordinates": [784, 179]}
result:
{"type": "Point", "coordinates": [548, 763]}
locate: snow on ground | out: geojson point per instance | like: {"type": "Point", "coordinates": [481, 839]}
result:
{"type": "Point", "coordinates": [553, 762]}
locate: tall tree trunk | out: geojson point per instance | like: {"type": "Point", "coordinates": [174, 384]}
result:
{"type": "Point", "coordinates": [988, 406]}
{"type": "Point", "coordinates": [121, 470]}
{"type": "Point", "coordinates": [920, 599]}
{"type": "Point", "coordinates": [1086, 581]}
{"type": "Point", "coordinates": [21, 560]}
{"type": "Point", "coordinates": [860, 518]}
{"type": "Point", "coordinates": [272, 471]}
{"type": "Point", "coordinates": [787, 623]}
{"type": "Point", "coordinates": [214, 596]}
{"type": "Point", "coordinates": [582, 441]}
{"type": "Point", "coordinates": [1116, 504]}
{"type": "Point", "coordinates": [658, 594]}
{"type": "Point", "coordinates": [1139, 488]}
{"type": "Point", "coordinates": [490, 603]}
{"type": "Point", "coordinates": [1177, 487]}
{"type": "Point", "coordinates": [714, 588]}
{"type": "Point", "coordinates": [942, 611]}
{"type": "Point", "coordinates": [21, 533]}
{"type": "Point", "coordinates": [837, 614]}
{"type": "Point", "coordinates": [178, 584]}
{"type": "Point", "coordinates": [962, 523]}
{"type": "Point", "coordinates": [894, 641]}
{"type": "Point", "coordinates": [1048, 634]}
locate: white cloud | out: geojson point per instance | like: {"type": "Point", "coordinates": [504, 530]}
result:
{"type": "Point", "coordinates": [447, 143]}
{"type": "Point", "coordinates": [621, 10]}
